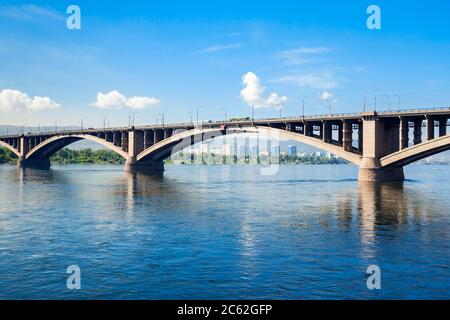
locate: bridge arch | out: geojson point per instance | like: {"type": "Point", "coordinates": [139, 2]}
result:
{"type": "Point", "coordinates": [417, 152]}
{"type": "Point", "coordinates": [53, 144]}
{"type": "Point", "coordinates": [164, 148]}
{"type": "Point", "coordinates": [10, 148]}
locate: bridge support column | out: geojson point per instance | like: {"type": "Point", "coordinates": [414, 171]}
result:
{"type": "Point", "coordinates": [381, 174]}
{"type": "Point", "coordinates": [33, 163]}
{"type": "Point", "coordinates": [327, 131]}
{"type": "Point", "coordinates": [430, 128]}
{"type": "Point", "coordinates": [442, 127]}
{"type": "Point", "coordinates": [417, 131]}
{"type": "Point", "coordinates": [373, 146]}
{"type": "Point", "coordinates": [404, 130]}
{"type": "Point", "coordinates": [347, 135]}
{"type": "Point", "coordinates": [131, 165]}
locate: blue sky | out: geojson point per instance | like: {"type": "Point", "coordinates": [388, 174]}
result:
{"type": "Point", "coordinates": [183, 54]}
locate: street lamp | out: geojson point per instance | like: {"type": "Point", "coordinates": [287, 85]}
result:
{"type": "Point", "coordinates": [398, 99]}
{"type": "Point", "coordinates": [82, 123]}
{"type": "Point", "coordinates": [303, 107]}
{"type": "Point", "coordinates": [225, 112]}
{"type": "Point", "coordinates": [131, 119]}
{"type": "Point", "coordinates": [163, 114]}
{"type": "Point", "coordinates": [197, 113]}
{"type": "Point", "coordinates": [389, 99]}
{"type": "Point", "coordinates": [190, 115]}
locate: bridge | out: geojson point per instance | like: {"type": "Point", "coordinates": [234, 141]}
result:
{"type": "Point", "coordinates": [378, 142]}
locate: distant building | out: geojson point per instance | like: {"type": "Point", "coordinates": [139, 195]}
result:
{"type": "Point", "coordinates": [216, 151]}
{"type": "Point", "coordinates": [291, 150]}
{"type": "Point", "coordinates": [226, 150]}
{"type": "Point", "coordinates": [275, 150]}
{"type": "Point", "coordinates": [243, 150]}
{"type": "Point", "coordinates": [254, 150]}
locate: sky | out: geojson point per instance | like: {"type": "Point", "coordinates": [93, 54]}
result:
{"type": "Point", "coordinates": [218, 57]}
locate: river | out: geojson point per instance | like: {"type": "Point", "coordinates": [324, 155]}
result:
{"type": "Point", "coordinates": [223, 232]}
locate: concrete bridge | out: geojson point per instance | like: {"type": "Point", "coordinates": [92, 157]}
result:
{"type": "Point", "coordinates": [377, 142]}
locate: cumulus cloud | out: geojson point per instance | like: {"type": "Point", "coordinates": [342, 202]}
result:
{"type": "Point", "coordinates": [14, 100]}
{"type": "Point", "coordinates": [115, 100]}
{"type": "Point", "coordinates": [325, 96]}
{"type": "Point", "coordinates": [328, 96]}
{"type": "Point", "coordinates": [253, 93]}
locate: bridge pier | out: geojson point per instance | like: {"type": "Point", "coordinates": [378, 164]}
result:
{"type": "Point", "coordinates": [34, 163]}
{"type": "Point", "coordinates": [379, 138]}
{"type": "Point", "coordinates": [371, 170]}
{"type": "Point", "coordinates": [131, 165]}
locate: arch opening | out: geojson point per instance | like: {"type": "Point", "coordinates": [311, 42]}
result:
{"type": "Point", "coordinates": [164, 149]}
{"type": "Point", "coordinates": [47, 148]}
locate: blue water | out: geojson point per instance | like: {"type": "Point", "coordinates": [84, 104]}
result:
{"type": "Point", "coordinates": [223, 232]}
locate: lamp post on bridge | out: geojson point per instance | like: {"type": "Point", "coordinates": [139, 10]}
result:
{"type": "Point", "coordinates": [131, 119]}
{"type": "Point", "coordinates": [197, 113]}
{"type": "Point", "coordinates": [303, 108]}
{"type": "Point", "coordinates": [225, 112]}
{"type": "Point", "coordinates": [389, 100]}
{"type": "Point", "coordinates": [82, 123]}
{"type": "Point", "coordinates": [398, 100]}
{"type": "Point", "coordinates": [163, 116]}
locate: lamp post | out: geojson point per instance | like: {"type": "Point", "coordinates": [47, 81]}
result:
{"type": "Point", "coordinates": [197, 113]}
{"type": "Point", "coordinates": [82, 123]}
{"type": "Point", "coordinates": [163, 116]}
{"type": "Point", "coordinates": [225, 112]}
{"type": "Point", "coordinates": [303, 108]}
{"type": "Point", "coordinates": [398, 100]}
{"type": "Point", "coordinates": [389, 101]}
{"type": "Point", "coordinates": [131, 119]}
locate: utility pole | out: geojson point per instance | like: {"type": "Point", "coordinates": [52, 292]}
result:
{"type": "Point", "coordinates": [253, 112]}
{"type": "Point", "coordinates": [364, 110]}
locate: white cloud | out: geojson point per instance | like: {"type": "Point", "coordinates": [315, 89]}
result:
{"type": "Point", "coordinates": [252, 94]}
{"type": "Point", "coordinates": [325, 96]}
{"type": "Point", "coordinates": [14, 100]}
{"type": "Point", "coordinates": [31, 12]}
{"type": "Point", "coordinates": [115, 100]}
{"type": "Point", "coordinates": [218, 48]}
{"type": "Point", "coordinates": [301, 55]}
{"type": "Point", "coordinates": [321, 81]}
{"type": "Point", "coordinates": [328, 96]}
